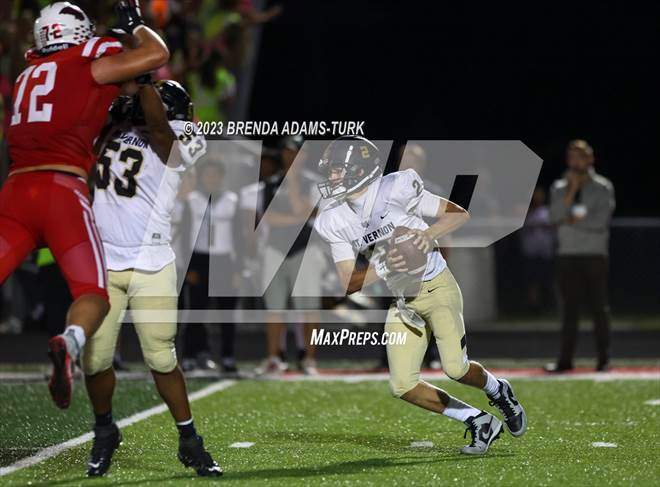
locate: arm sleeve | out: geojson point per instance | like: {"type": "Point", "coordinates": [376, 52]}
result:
{"type": "Point", "coordinates": [98, 47]}
{"type": "Point", "coordinates": [191, 147]}
{"type": "Point", "coordinates": [407, 191]}
{"type": "Point", "coordinates": [428, 205]}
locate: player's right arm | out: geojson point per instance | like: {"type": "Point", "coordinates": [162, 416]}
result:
{"type": "Point", "coordinates": [149, 54]}
{"type": "Point", "coordinates": [161, 135]}
{"type": "Point", "coordinates": [353, 279]}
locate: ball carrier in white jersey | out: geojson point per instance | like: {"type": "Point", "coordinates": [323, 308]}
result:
{"type": "Point", "coordinates": [365, 209]}
{"type": "Point", "coordinates": [139, 172]}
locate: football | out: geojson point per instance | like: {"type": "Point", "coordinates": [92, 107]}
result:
{"type": "Point", "coordinates": [402, 240]}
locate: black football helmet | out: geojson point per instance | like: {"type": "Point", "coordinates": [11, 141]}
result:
{"type": "Point", "coordinates": [349, 164]}
{"type": "Point", "coordinates": [176, 99]}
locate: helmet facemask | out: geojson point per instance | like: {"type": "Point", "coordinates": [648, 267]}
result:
{"type": "Point", "coordinates": [349, 181]}
{"type": "Point", "coordinates": [349, 165]}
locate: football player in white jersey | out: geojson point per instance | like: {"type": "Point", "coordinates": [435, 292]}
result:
{"type": "Point", "coordinates": [139, 172]}
{"type": "Point", "coordinates": [364, 210]}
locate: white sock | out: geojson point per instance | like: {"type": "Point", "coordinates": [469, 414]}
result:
{"type": "Point", "coordinates": [492, 387]}
{"type": "Point", "coordinates": [458, 410]}
{"type": "Point", "coordinates": [74, 337]}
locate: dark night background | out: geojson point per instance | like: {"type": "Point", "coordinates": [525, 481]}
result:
{"type": "Point", "coordinates": [438, 70]}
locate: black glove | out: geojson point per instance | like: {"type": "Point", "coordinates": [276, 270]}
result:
{"type": "Point", "coordinates": [144, 79]}
{"type": "Point", "coordinates": [121, 110]}
{"type": "Point", "coordinates": [129, 16]}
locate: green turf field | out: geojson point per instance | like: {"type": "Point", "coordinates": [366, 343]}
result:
{"type": "Point", "coordinates": [338, 433]}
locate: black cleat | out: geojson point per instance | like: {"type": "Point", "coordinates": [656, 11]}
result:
{"type": "Point", "coordinates": [513, 413]}
{"type": "Point", "coordinates": [192, 454]}
{"type": "Point", "coordinates": [106, 440]}
{"type": "Point", "coordinates": [484, 429]}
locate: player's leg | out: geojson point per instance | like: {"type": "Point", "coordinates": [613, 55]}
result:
{"type": "Point", "coordinates": [443, 309]}
{"type": "Point", "coordinates": [100, 376]}
{"type": "Point", "coordinates": [153, 302]}
{"type": "Point", "coordinates": [70, 233]}
{"type": "Point", "coordinates": [405, 361]}
{"type": "Point", "coordinates": [18, 237]}
{"type": "Point", "coordinates": [16, 242]}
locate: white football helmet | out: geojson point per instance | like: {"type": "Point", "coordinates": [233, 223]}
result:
{"type": "Point", "coordinates": [61, 25]}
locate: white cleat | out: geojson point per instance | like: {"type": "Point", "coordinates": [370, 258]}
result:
{"type": "Point", "coordinates": [484, 429]}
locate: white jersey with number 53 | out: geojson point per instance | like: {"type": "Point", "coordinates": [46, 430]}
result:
{"type": "Point", "coordinates": [135, 196]}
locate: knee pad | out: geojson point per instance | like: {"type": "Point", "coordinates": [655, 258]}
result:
{"type": "Point", "coordinates": [161, 360]}
{"type": "Point", "coordinates": [93, 363]}
{"type": "Point", "coordinates": [456, 370]}
{"type": "Point", "coordinates": [399, 387]}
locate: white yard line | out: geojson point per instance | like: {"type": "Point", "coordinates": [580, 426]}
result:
{"type": "Point", "coordinates": [55, 450]}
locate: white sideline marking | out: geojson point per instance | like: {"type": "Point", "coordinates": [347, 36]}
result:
{"type": "Point", "coordinates": [603, 444]}
{"type": "Point", "coordinates": [421, 444]}
{"type": "Point", "coordinates": [509, 374]}
{"type": "Point", "coordinates": [241, 444]}
{"type": "Point", "coordinates": [55, 450]}
{"type": "Point", "coordinates": [653, 402]}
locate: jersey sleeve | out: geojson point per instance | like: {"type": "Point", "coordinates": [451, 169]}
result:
{"type": "Point", "coordinates": [408, 191]}
{"type": "Point", "coordinates": [340, 248]}
{"type": "Point", "coordinates": [191, 145]}
{"type": "Point", "coordinates": [98, 47]}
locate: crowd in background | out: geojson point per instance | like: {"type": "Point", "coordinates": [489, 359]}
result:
{"type": "Point", "coordinates": [210, 44]}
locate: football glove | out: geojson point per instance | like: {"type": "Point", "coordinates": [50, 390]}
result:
{"type": "Point", "coordinates": [129, 16]}
{"type": "Point", "coordinates": [144, 79]}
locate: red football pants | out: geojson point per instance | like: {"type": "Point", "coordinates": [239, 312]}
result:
{"type": "Point", "coordinates": [50, 209]}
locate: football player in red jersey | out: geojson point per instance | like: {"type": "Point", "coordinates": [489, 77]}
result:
{"type": "Point", "coordinates": [60, 104]}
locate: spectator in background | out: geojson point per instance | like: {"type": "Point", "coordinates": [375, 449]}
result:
{"type": "Point", "coordinates": [214, 243]}
{"type": "Point", "coordinates": [582, 203]}
{"type": "Point", "coordinates": [282, 217]}
{"type": "Point", "coordinates": [537, 244]}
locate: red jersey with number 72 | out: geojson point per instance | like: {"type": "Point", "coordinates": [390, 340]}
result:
{"type": "Point", "coordinates": [58, 107]}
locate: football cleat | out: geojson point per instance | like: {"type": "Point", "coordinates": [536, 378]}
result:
{"type": "Point", "coordinates": [484, 429]}
{"type": "Point", "coordinates": [192, 454]}
{"type": "Point", "coordinates": [106, 440]}
{"type": "Point", "coordinates": [513, 413]}
{"type": "Point", "coordinates": [60, 384]}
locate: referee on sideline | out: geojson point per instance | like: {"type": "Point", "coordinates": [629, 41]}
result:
{"type": "Point", "coordinates": [582, 203]}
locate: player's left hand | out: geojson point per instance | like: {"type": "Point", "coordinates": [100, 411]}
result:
{"type": "Point", "coordinates": [396, 262]}
{"type": "Point", "coordinates": [129, 16]}
{"type": "Point", "coordinates": [422, 241]}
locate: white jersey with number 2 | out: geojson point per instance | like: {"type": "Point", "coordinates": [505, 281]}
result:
{"type": "Point", "coordinates": [397, 199]}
